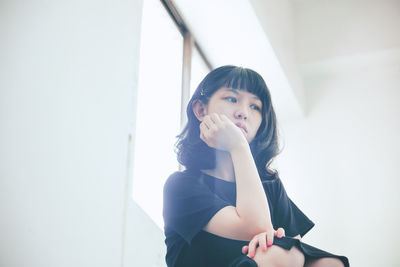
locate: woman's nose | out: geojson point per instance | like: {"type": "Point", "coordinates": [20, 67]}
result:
{"type": "Point", "coordinates": [241, 113]}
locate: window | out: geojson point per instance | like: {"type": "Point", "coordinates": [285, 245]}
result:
{"type": "Point", "coordinates": [159, 102]}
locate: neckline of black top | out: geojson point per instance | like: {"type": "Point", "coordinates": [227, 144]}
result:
{"type": "Point", "coordinates": [217, 179]}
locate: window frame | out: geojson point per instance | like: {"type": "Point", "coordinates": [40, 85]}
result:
{"type": "Point", "coordinates": [189, 43]}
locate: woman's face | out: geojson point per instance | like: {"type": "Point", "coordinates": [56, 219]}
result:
{"type": "Point", "coordinates": [241, 107]}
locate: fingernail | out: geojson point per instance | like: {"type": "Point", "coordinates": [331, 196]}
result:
{"type": "Point", "coordinates": [279, 236]}
{"type": "Point", "coordinates": [269, 243]}
{"type": "Point", "coordinates": [251, 255]}
{"type": "Point", "coordinates": [264, 248]}
{"type": "Point", "coordinates": [244, 250]}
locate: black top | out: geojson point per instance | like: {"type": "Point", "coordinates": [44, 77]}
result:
{"type": "Point", "coordinates": [191, 199]}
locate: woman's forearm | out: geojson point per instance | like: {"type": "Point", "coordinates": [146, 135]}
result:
{"type": "Point", "coordinates": [251, 201]}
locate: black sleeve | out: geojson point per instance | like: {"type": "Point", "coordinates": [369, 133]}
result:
{"type": "Point", "coordinates": [189, 205]}
{"type": "Point", "coordinates": [288, 215]}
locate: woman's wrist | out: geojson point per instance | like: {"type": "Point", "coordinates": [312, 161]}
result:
{"type": "Point", "coordinates": [240, 147]}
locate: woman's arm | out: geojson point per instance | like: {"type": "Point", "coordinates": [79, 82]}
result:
{"type": "Point", "coordinates": [251, 201]}
{"type": "Point", "coordinates": [251, 215]}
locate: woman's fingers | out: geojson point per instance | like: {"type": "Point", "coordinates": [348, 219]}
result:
{"type": "Point", "coordinates": [280, 232]}
{"type": "Point", "coordinates": [252, 247]}
{"type": "Point", "coordinates": [270, 237]}
{"type": "Point", "coordinates": [262, 242]}
{"type": "Point", "coordinates": [221, 133]}
{"type": "Point", "coordinates": [203, 131]}
{"type": "Point", "coordinates": [215, 118]}
{"type": "Point", "coordinates": [203, 127]}
{"type": "Point", "coordinates": [223, 117]}
{"type": "Point", "coordinates": [205, 135]}
{"type": "Point", "coordinates": [211, 125]}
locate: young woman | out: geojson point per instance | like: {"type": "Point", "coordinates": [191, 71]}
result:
{"type": "Point", "coordinates": [228, 207]}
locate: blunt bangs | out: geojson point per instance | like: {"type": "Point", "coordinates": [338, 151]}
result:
{"type": "Point", "coordinates": [247, 80]}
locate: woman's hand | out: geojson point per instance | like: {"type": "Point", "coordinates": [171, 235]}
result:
{"type": "Point", "coordinates": [262, 240]}
{"type": "Point", "coordinates": [218, 132]}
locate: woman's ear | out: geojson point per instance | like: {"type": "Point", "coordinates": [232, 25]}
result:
{"type": "Point", "coordinates": [199, 109]}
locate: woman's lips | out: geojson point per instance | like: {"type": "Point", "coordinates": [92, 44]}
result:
{"type": "Point", "coordinates": [241, 126]}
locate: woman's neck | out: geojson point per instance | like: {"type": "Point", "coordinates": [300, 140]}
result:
{"type": "Point", "coordinates": [223, 167]}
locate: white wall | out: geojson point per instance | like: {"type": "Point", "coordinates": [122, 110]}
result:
{"type": "Point", "coordinates": [144, 240]}
{"type": "Point", "coordinates": [340, 163]}
{"type": "Point", "coordinates": [68, 76]}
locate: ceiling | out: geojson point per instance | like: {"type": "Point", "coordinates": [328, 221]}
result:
{"type": "Point", "coordinates": [290, 41]}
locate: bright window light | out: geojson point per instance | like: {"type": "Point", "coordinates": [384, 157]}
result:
{"type": "Point", "coordinates": [158, 108]}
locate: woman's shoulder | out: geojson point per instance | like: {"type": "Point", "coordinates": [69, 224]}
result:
{"type": "Point", "coordinates": [272, 183]}
{"type": "Point", "coordinates": [181, 178]}
{"type": "Point", "coordinates": [184, 174]}
{"type": "Point", "coordinates": [271, 180]}
{"type": "Point", "coordinates": [182, 184]}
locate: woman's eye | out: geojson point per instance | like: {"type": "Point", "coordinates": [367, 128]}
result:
{"type": "Point", "coordinates": [231, 99]}
{"type": "Point", "coordinates": [255, 107]}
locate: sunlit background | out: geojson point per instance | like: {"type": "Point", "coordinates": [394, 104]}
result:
{"type": "Point", "coordinates": [159, 106]}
